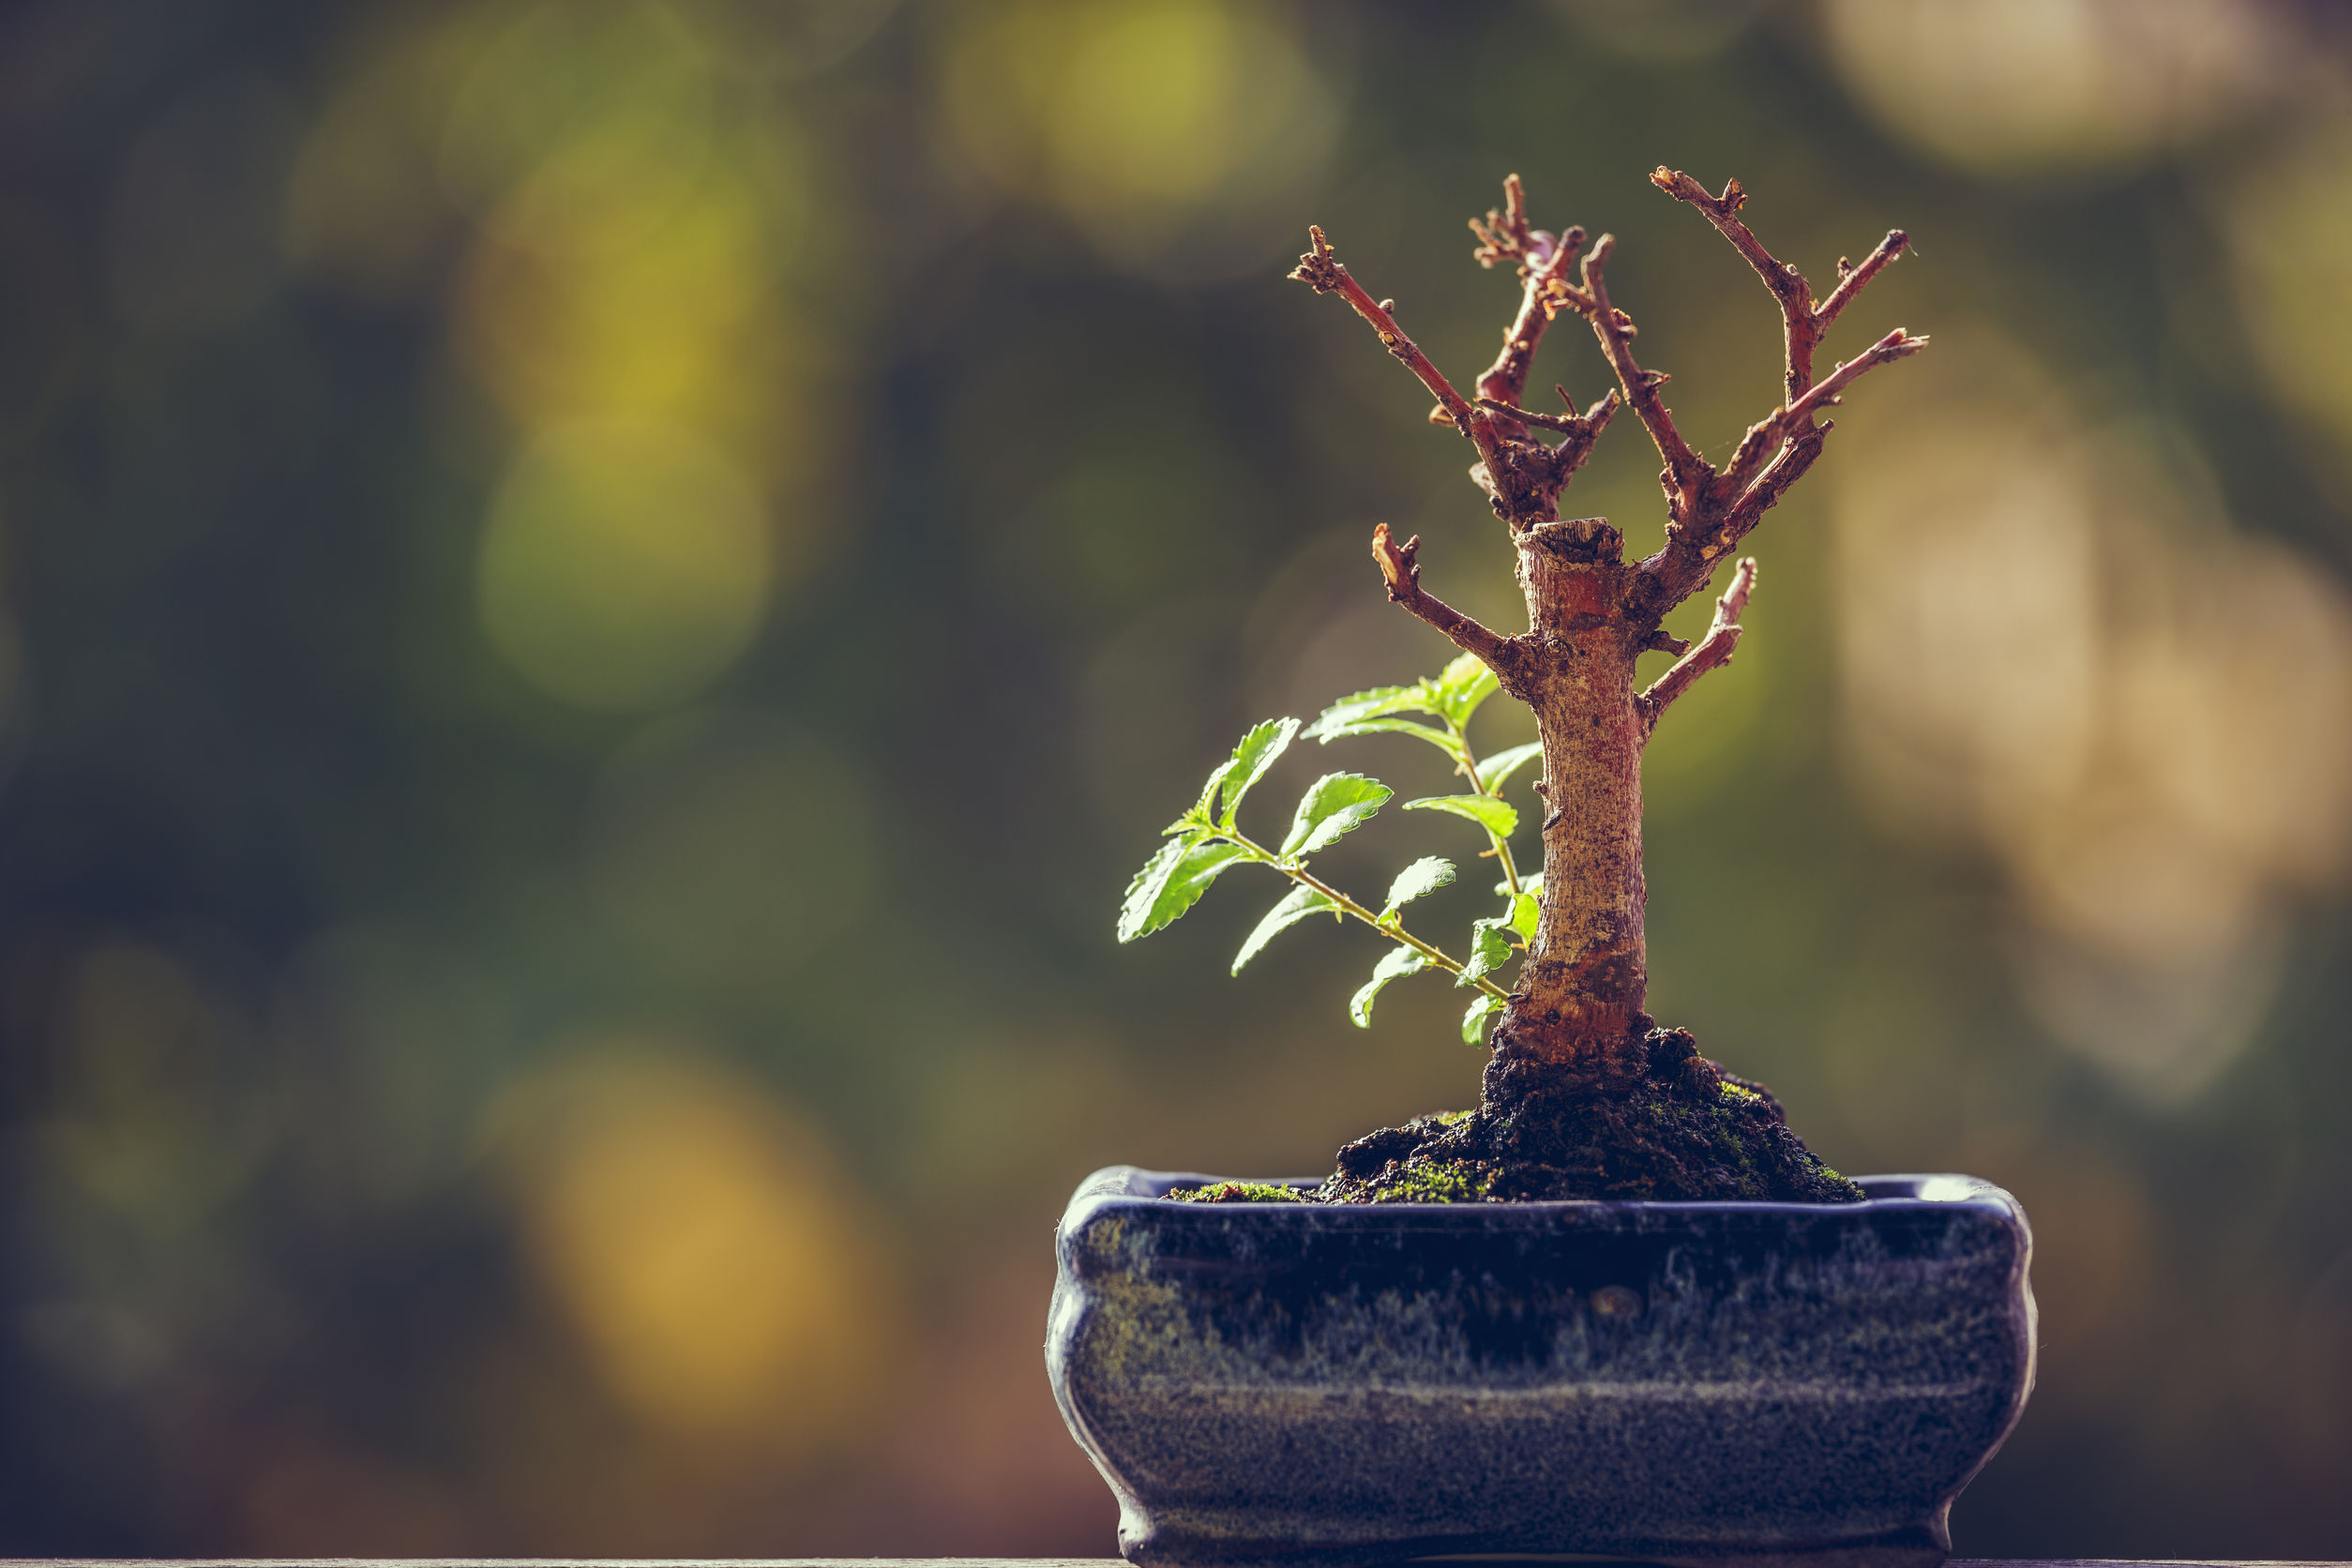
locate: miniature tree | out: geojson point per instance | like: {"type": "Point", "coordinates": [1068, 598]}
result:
{"type": "Point", "coordinates": [1573, 1025]}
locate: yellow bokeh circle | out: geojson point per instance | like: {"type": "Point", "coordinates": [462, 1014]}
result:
{"type": "Point", "coordinates": [623, 566]}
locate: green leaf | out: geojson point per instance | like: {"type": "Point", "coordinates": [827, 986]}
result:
{"type": "Point", "coordinates": [1425, 875]}
{"type": "Point", "coordinates": [1526, 914]}
{"type": "Point", "coordinates": [1256, 753]}
{"type": "Point", "coordinates": [1170, 882]}
{"type": "Point", "coordinates": [1490, 949]}
{"type": "Point", "coordinates": [1335, 805]}
{"type": "Point", "coordinates": [1353, 716]}
{"type": "Point", "coordinates": [1400, 962]}
{"type": "Point", "coordinates": [1461, 687]}
{"type": "Point", "coordinates": [1497, 770]}
{"type": "Point", "coordinates": [1296, 906]}
{"type": "Point", "coordinates": [1533, 885]}
{"type": "Point", "coordinates": [1483, 1006]}
{"type": "Point", "coordinates": [1498, 817]}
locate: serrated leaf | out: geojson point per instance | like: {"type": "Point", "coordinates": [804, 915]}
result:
{"type": "Point", "coordinates": [1425, 875]}
{"type": "Point", "coordinates": [1170, 882]}
{"type": "Point", "coordinates": [1526, 912]}
{"type": "Point", "coordinates": [1351, 715]}
{"type": "Point", "coordinates": [1498, 817]}
{"type": "Point", "coordinates": [1486, 1005]}
{"type": "Point", "coordinates": [1335, 805]}
{"type": "Point", "coordinates": [1497, 770]}
{"type": "Point", "coordinates": [1296, 906]}
{"type": "Point", "coordinates": [1533, 885]}
{"type": "Point", "coordinates": [1461, 686]}
{"type": "Point", "coordinates": [1257, 752]}
{"type": "Point", "coordinates": [1400, 962]}
{"type": "Point", "coordinates": [1490, 949]}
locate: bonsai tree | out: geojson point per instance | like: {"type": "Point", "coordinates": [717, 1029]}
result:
{"type": "Point", "coordinates": [1584, 1094]}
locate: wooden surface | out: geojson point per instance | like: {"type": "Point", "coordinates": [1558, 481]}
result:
{"type": "Point", "coordinates": [979, 1562]}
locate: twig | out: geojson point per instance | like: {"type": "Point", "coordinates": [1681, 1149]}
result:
{"type": "Point", "coordinates": [1802, 324]}
{"type": "Point", "coordinates": [1686, 470]}
{"type": "Point", "coordinates": [1706, 522]}
{"type": "Point", "coordinates": [1852, 280]}
{"type": "Point", "coordinates": [1319, 270]}
{"type": "Point", "coordinates": [1542, 257]}
{"type": "Point", "coordinates": [1723, 636]}
{"type": "Point", "coordinates": [1403, 574]}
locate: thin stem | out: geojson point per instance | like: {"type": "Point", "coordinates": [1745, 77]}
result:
{"type": "Point", "coordinates": [1470, 771]}
{"type": "Point", "coordinates": [1394, 930]}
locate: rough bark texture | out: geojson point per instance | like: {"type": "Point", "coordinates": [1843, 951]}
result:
{"type": "Point", "coordinates": [1575, 1031]}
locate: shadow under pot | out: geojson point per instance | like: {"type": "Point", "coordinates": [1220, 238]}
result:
{"type": "Point", "coordinates": [1680, 1383]}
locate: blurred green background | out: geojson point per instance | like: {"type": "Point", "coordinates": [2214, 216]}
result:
{"type": "Point", "coordinates": [601, 597]}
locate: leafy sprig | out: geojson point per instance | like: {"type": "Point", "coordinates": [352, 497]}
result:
{"type": "Point", "coordinates": [1207, 840]}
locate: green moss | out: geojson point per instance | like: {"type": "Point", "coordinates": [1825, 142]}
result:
{"type": "Point", "coordinates": [1237, 1192]}
{"type": "Point", "coordinates": [1436, 1182]}
{"type": "Point", "coordinates": [1733, 1092]}
{"type": "Point", "coordinates": [1448, 1117]}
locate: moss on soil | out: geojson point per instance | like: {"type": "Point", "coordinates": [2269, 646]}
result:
{"type": "Point", "coordinates": [1687, 1132]}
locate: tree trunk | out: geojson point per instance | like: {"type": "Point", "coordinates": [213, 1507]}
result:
{"type": "Point", "coordinates": [1579, 1004]}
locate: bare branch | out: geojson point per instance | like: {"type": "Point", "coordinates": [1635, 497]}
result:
{"type": "Point", "coordinates": [1686, 470]}
{"type": "Point", "coordinates": [1723, 636]}
{"type": "Point", "coordinates": [1705, 523]}
{"type": "Point", "coordinates": [1542, 257]}
{"type": "Point", "coordinates": [1799, 331]}
{"type": "Point", "coordinates": [1319, 270]}
{"type": "Point", "coordinates": [1504, 236]}
{"type": "Point", "coordinates": [1767, 436]}
{"type": "Point", "coordinates": [1851, 281]}
{"type": "Point", "coordinates": [1403, 573]}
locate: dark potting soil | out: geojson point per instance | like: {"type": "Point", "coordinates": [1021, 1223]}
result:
{"type": "Point", "coordinates": [1688, 1131]}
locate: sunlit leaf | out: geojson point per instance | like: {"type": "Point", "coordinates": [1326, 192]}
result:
{"type": "Point", "coordinates": [1498, 817]}
{"type": "Point", "coordinates": [1335, 805]}
{"type": "Point", "coordinates": [1462, 684]}
{"type": "Point", "coordinates": [1355, 715]}
{"type": "Point", "coordinates": [1400, 962]}
{"type": "Point", "coordinates": [1299, 903]}
{"type": "Point", "coordinates": [1532, 886]}
{"type": "Point", "coordinates": [1497, 770]}
{"type": "Point", "coordinates": [1483, 1006]}
{"type": "Point", "coordinates": [1425, 875]}
{"type": "Point", "coordinates": [1170, 882]}
{"type": "Point", "coordinates": [1526, 912]}
{"type": "Point", "coordinates": [1257, 752]}
{"type": "Point", "coordinates": [1490, 948]}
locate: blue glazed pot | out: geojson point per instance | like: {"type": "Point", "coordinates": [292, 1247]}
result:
{"type": "Point", "coordinates": [1684, 1383]}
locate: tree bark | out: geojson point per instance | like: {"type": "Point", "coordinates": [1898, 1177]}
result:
{"type": "Point", "coordinates": [1580, 990]}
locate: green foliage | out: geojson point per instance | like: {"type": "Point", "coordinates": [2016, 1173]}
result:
{"type": "Point", "coordinates": [1425, 875]}
{"type": "Point", "coordinates": [1208, 839]}
{"type": "Point", "coordinates": [1296, 905]}
{"type": "Point", "coordinates": [1494, 772]}
{"type": "Point", "coordinates": [1400, 962]}
{"type": "Point", "coordinates": [1258, 750]}
{"type": "Point", "coordinates": [1498, 817]}
{"type": "Point", "coordinates": [1334, 806]}
{"type": "Point", "coordinates": [1490, 948]}
{"type": "Point", "coordinates": [1170, 882]}
{"type": "Point", "coordinates": [1483, 1007]}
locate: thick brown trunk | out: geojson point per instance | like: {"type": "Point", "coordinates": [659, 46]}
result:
{"type": "Point", "coordinates": [1580, 991]}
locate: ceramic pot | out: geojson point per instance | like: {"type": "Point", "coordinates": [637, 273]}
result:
{"type": "Point", "coordinates": [1683, 1383]}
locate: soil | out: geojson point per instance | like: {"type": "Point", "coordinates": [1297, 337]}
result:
{"type": "Point", "coordinates": [1687, 1131]}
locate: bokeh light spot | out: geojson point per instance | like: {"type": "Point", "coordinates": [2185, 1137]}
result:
{"type": "Point", "coordinates": [623, 566]}
{"type": "Point", "coordinates": [721, 1277]}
